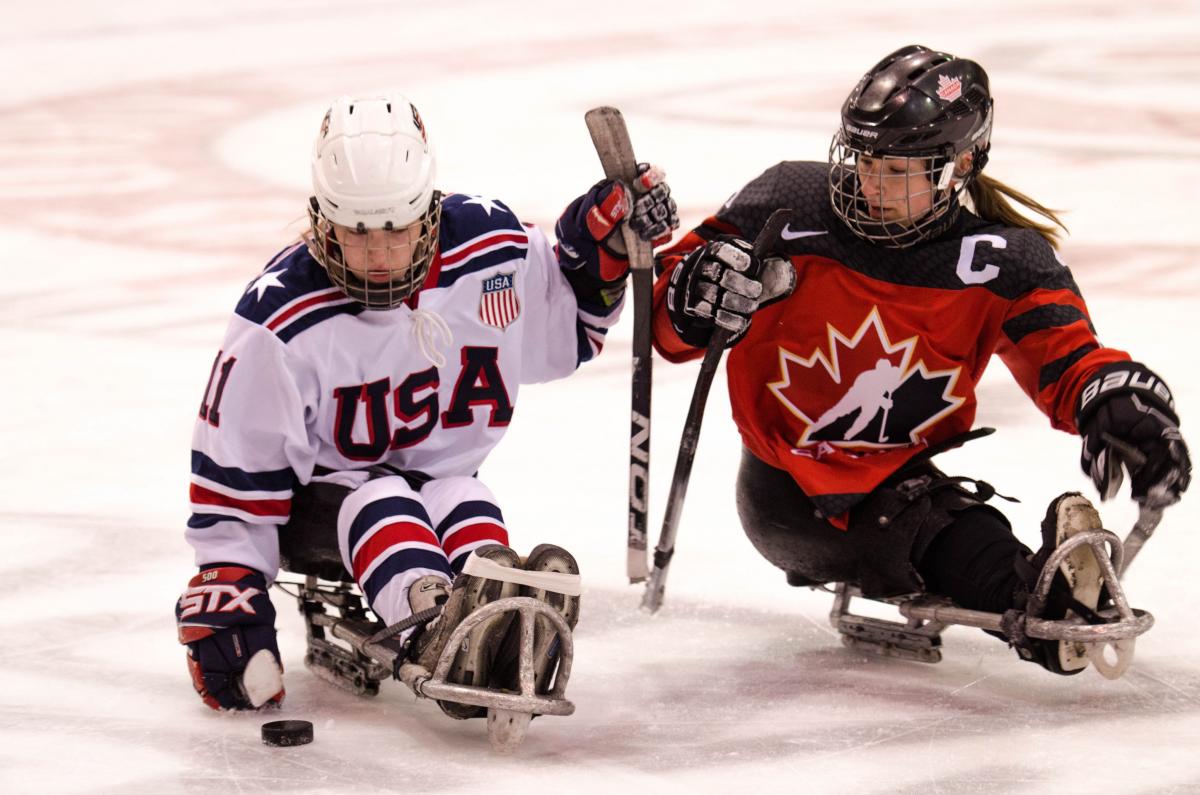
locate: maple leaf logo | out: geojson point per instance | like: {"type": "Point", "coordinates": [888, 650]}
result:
{"type": "Point", "coordinates": [949, 88]}
{"type": "Point", "coordinates": [867, 392]}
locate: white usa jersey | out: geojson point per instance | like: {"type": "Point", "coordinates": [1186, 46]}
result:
{"type": "Point", "coordinates": [307, 378]}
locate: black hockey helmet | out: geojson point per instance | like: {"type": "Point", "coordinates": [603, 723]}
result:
{"type": "Point", "coordinates": [921, 104]}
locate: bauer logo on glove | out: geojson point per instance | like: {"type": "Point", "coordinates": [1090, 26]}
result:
{"type": "Point", "coordinates": [1127, 418]}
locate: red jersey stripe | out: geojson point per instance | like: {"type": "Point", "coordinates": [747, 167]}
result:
{"type": "Point", "coordinates": [320, 298]}
{"type": "Point", "coordinates": [487, 241]}
{"type": "Point", "coordinates": [202, 496]}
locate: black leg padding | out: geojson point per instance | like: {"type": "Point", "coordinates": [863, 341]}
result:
{"type": "Point", "coordinates": [308, 542]}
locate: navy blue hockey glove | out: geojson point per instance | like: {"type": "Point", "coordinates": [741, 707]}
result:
{"type": "Point", "coordinates": [227, 622]}
{"type": "Point", "coordinates": [723, 284]}
{"type": "Point", "coordinates": [588, 231]}
{"type": "Point", "coordinates": [1127, 417]}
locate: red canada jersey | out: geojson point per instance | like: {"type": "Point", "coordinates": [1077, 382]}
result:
{"type": "Point", "coordinates": [876, 354]}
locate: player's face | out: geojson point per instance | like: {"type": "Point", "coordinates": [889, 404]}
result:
{"type": "Point", "coordinates": [378, 256]}
{"type": "Point", "coordinates": [897, 189]}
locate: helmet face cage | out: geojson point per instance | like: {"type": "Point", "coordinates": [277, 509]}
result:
{"type": "Point", "coordinates": [925, 188]}
{"type": "Point", "coordinates": [412, 249]}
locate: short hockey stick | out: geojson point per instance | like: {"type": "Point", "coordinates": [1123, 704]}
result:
{"type": "Point", "coordinates": [611, 139]}
{"type": "Point", "coordinates": [652, 599]}
{"type": "Point", "coordinates": [1149, 515]}
{"type": "Point", "coordinates": [1150, 508]}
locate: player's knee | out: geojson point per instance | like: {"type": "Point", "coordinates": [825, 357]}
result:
{"type": "Point", "coordinates": [455, 491]}
{"type": "Point", "coordinates": [783, 525]}
{"type": "Point", "coordinates": [376, 504]}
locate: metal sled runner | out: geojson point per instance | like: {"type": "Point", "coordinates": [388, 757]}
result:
{"type": "Point", "coordinates": [372, 654]}
{"type": "Point", "coordinates": [919, 638]}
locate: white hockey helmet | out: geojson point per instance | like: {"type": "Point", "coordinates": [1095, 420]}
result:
{"type": "Point", "coordinates": [373, 169]}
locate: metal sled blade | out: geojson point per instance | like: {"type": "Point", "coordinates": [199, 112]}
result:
{"type": "Point", "coordinates": [347, 669]}
{"type": "Point", "coordinates": [916, 640]}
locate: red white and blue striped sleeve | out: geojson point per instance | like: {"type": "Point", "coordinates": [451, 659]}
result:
{"type": "Point", "coordinates": [568, 329]}
{"type": "Point", "coordinates": [250, 449]}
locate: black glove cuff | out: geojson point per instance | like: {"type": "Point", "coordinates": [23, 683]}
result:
{"type": "Point", "coordinates": [693, 330]}
{"type": "Point", "coordinates": [1123, 378]}
{"type": "Point", "coordinates": [593, 293]}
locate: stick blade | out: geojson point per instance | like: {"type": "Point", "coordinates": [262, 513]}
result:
{"type": "Point", "coordinates": [652, 599]}
{"type": "Point", "coordinates": [771, 233]}
{"type": "Point", "coordinates": [611, 139]}
{"type": "Point", "coordinates": [637, 565]}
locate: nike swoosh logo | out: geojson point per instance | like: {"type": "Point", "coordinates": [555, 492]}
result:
{"type": "Point", "coordinates": [788, 234]}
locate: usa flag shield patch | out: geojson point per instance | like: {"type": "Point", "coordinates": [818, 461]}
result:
{"type": "Point", "coordinates": [498, 304]}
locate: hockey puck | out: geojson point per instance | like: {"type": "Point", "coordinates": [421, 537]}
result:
{"type": "Point", "coordinates": [287, 732]}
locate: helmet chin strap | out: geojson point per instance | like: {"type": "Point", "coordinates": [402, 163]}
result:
{"type": "Point", "coordinates": [947, 175]}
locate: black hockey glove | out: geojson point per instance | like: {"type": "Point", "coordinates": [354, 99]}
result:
{"type": "Point", "coordinates": [228, 624]}
{"type": "Point", "coordinates": [723, 284]}
{"type": "Point", "coordinates": [588, 231]}
{"type": "Point", "coordinates": [1127, 417]}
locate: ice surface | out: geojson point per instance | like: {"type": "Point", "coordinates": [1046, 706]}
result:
{"type": "Point", "coordinates": [155, 156]}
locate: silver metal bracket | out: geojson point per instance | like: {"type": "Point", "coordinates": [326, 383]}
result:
{"type": "Point", "coordinates": [367, 659]}
{"type": "Point", "coordinates": [434, 685]}
{"type": "Point", "coordinates": [1110, 645]}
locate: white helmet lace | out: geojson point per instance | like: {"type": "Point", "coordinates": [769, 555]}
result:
{"type": "Point", "coordinates": [428, 328]}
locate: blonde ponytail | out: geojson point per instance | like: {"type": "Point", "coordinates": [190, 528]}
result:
{"type": "Point", "coordinates": [993, 201]}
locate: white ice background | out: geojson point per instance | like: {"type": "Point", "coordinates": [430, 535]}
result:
{"type": "Point", "coordinates": [154, 156]}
